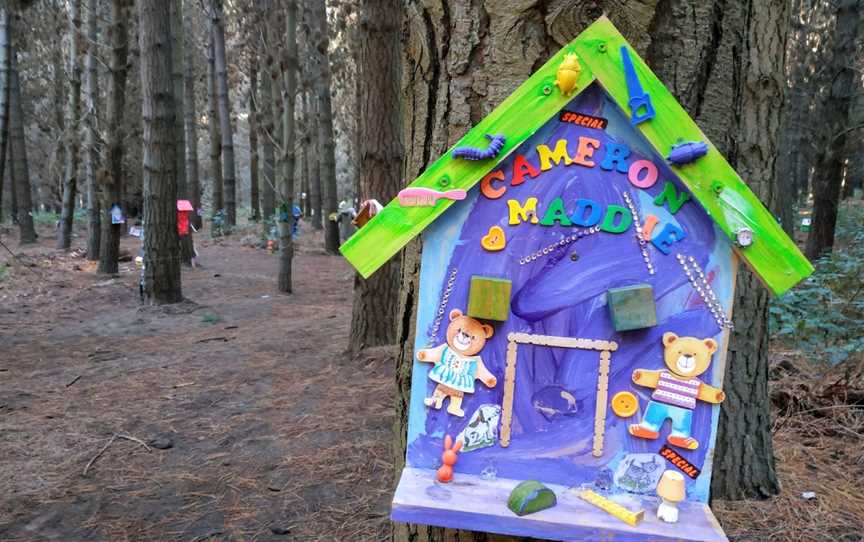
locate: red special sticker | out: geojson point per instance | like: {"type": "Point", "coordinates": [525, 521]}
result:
{"type": "Point", "coordinates": [675, 458]}
{"type": "Point", "coordinates": [583, 120]}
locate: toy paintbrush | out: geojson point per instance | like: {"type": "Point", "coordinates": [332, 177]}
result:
{"type": "Point", "coordinates": [427, 197]}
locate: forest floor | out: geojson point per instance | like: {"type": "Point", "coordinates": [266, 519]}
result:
{"type": "Point", "coordinates": [237, 415]}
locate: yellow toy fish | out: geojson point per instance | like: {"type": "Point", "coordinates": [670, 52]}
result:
{"type": "Point", "coordinates": [568, 74]}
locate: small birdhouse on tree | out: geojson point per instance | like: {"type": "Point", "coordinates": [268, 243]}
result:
{"type": "Point", "coordinates": [580, 249]}
{"type": "Point", "coordinates": [184, 210]}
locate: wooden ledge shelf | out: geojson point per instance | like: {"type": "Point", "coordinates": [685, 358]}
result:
{"type": "Point", "coordinates": [420, 499]}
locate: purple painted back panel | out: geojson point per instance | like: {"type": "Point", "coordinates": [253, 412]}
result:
{"type": "Point", "coordinates": [555, 295]}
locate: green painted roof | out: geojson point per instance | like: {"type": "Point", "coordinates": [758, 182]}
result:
{"type": "Point", "coordinates": [773, 256]}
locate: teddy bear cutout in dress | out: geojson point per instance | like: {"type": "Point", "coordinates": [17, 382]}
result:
{"type": "Point", "coordinates": [457, 364]}
{"type": "Point", "coordinates": [677, 390]}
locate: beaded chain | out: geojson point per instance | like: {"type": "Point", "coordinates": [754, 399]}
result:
{"type": "Point", "coordinates": [700, 283]}
{"type": "Point", "coordinates": [643, 243]}
{"type": "Point", "coordinates": [442, 307]}
{"type": "Point", "coordinates": [545, 251]}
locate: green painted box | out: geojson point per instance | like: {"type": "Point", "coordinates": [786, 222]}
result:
{"type": "Point", "coordinates": [632, 307]}
{"type": "Point", "coordinates": [489, 298]}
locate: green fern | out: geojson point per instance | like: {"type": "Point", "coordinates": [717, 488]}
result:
{"type": "Point", "coordinates": [824, 315]}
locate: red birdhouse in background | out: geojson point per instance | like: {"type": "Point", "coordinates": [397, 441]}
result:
{"type": "Point", "coordinates": [184, 207]}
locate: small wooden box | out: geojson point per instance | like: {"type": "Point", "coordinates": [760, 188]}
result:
{"type": "Point", "coordinates": [489, 298]}
{"type": "Point", "coordinates": [632, 307]}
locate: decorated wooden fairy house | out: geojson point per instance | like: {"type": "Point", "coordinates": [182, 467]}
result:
{"type": "Point", "coordinates": [579, 259]}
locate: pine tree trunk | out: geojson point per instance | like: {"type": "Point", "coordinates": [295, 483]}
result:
{"type": "Point", "coordinates": [797, 106]}
{"type": "Point", "coordinates": [314, 164]}
{"type": "Point", "coordinates": [216, 195]}
{"type": "Point", "coordinates": [841, 80]}
{"type": "Point", "coordinates": [265, 127]}
{"type": "Point", "coordinates": [59, 101]}
{"type": "Point", "coordinates": [177, 75]}
{"type": "Point", "coordinates": [18, 150]}
{"type": "Point", "coordinates": [4, 99]}
{"type": "Point", "coordinates": [305, 156]}
{"type": "Point", "coordinates": [111, 179]}
{"type": "Point", "coordinates": [326, 144]}
{"type": "Point", "coordinates": [229, 170]}
{"type": "Point", "coordinates": [161, 243]}
{"type": "Point", "coordinates": [3, 154]}
{"type": "Point", "coordinates": [744, 454]}
{"type": "Point", "coordinates": [91, 163]}
{"type": "Point", "coordinates": [255, 212]}
{"type": "Point", "coordinates": [300, 132]}
{"type": "Point", "coordinates": [193, 184]}
{"type": "Point", "coordinates": [286, 204]}
{"type": "Point", "coordinates": [278, 139]}
{"type": "Point", "coordinates": [13, 198]}
{"type": "Point", "coordinates": [381, 154]}
{"type": "Point", "coordinates": [70, 176]}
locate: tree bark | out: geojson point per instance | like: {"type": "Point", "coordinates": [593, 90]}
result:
{"type": "Point", "coordinates": [381, 153]}
{"type": "Point", "coordinates": [255, 208]}
{"type": "Point", "coordinates": [314, 163]}
{"type": "Point", "coordinates": [70, 177]}
{"type": "Point", "coordinates": [111, 180]}
{"type": "Point", "coordinates": [60, 99]}
{"type": "Point", "coordinates": [842, 82]}
{"type": "Point", "coordinates": [18, 150]}
{"type": "Point", "coordinates": [265, 127]}
{"type": "Point", "coordinates": [461, 60]}
{"type": "Point", "coordinates": [286, 205]}
{"type": "Point", "coordinates": [229, 170]}
{"type": "Point", "coordinates": [744, 454]}
{"type": "Point", "coordinates": [793, 136]}
{"type": "Point", "coordinates": [5, 41]}
{"type": "Point", "coordinates": [161, 243]}
{"type": "Point", "coordinates": [216, 195]}
{"type": "Point", "coordinates": [3, 176]}
{"type": "Point", "coordinates": [193, 184]}
{"type": "Point", "coordinates": [326, 144]}
{"type": "Point", "coordinates": [91, 163]}
{"type": "Point", "coordinates": [305, 155]}
{"type": "Point", "coordinates": [13, 198]}
{"type": "Point", "coordinates": [278, 141]}
{"type": "Point", "coordinates": [177, 74]}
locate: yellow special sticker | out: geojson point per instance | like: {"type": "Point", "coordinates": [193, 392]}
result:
{"type": "Point", "coordinates": [624, 404]}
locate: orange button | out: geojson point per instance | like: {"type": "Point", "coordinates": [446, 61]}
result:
{"type": "Point", "coordinates": [624, 404]}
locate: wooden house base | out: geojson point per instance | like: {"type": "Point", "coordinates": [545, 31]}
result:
{"type": "Point", "coordinates": [472, 503]}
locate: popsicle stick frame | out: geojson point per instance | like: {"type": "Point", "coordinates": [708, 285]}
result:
{"type": "Point", "coordinates": [604, 347]}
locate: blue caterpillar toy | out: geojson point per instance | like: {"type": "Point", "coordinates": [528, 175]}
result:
{"type": "Point", "coordinates": [496, 143]}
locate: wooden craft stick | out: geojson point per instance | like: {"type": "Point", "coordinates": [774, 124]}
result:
{"type": "Point", "coordinates": [602, 400]}
{"type": "Point", "coordinates": [612, 508]}
{"type": "Point", "coordinates": [509, 388]}
{"type": "Point", "coordinates": [563, 342]}
{"type": "Point", "coordinates": [606, 348]}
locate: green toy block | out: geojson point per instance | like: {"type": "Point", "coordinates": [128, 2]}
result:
{"type": "Point", "coordinates": [632, 307]}
{"type": "Point", "coordinates": [489, 298]}
{"type": "Point", "coordinates": [529, 497]}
